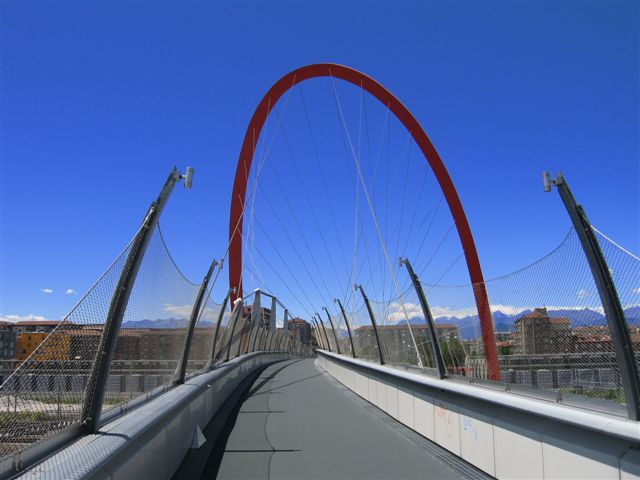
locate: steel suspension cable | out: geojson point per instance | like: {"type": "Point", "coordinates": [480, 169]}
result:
{"type": "Point", "coordinates": [295, 278]}
{"type": "Point", "coordinates": [366, 193]}
{"type": "Point", "coordinates": [306, 196]}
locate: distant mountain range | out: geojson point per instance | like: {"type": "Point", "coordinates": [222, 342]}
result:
{"type": "Point", "coordinates": [469, 326]}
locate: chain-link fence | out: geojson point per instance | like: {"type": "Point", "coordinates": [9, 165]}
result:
{"type": "Point", "coordinates": [152, 336]}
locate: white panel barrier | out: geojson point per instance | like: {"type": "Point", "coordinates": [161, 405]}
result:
{"type": "Point", "coordinates": [503, 434]}
{"type": "Point", "coordinates": [476, 436]}
{"type": "Point", "coordinates": [405, 407]}
{"type": "Point", "coordinates": [447, 425]}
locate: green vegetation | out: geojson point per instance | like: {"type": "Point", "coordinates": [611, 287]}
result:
{"type": "Point", "coordinates": [9, 417]}
{"type": "Point", "coordinates": [605, 394]}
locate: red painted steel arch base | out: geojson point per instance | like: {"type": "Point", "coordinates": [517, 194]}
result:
{"type": "Point", "coordinates": [428, 150]}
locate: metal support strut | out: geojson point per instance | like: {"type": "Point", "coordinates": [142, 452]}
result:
{"type": "Point", "coordinates": [181, 370]}
{"type": "Point", "coordinates": [216, 335]}
{"type": "Point", "coordinates": [373, 321]}
{"type": "Point", "coordinates": [613, 311]}
{"type": "Point", "coordinates": [431, 327]}
{"type": "Point", "coordinates": [237, 313]}
{"type": "Point", "coordinates": [325, 331]}
{"type": "Point", "coordinates": [335, 335]}
{"type": "Point", "coordinates": [97, 382]}
{"type": "Point", "coordinates": [317, 332]}
{"type": "Point", "coordinates": [346, 322]}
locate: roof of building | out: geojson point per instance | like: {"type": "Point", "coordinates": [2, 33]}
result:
{"type": "Point", "coordinates": [537, 314]}
{"type": "Point", "coordinates": [52, 323]}
{"type": "Point", "coordinates": [297, 320]}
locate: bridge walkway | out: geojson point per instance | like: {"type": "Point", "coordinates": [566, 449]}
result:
{"type": "Point", "coordinates": [297, 422]}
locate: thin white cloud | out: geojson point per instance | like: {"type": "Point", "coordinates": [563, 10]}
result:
{"type": "Point", "coordinates": [582, 293]}
{"type": "Point", "coordinates": [636, 290]}
{"type": "Point", "coordinates": [70, 291]}
{"type": "Point", "coordinates": [46, 290]}
{"type": "Point", "coordinates": [415, 311]}
{"type": "Point", "coordinates": [411, 310]}
{"type": "Point", "coordinates": [20, 318]}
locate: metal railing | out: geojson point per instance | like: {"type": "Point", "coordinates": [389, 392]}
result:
{"type": "Point", "coordinates": [567, 327]}
{"type": "Point", "coordinates": [141, 329]}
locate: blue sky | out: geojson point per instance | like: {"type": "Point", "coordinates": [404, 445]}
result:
{"type": "Point", "coordinates": [100, 99]}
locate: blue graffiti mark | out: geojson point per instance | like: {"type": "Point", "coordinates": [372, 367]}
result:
{"type": "Point", "coordinates": [467, 424]}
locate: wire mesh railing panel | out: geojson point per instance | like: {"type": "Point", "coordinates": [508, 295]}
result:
{"type": "Point", "coordinates": [330, 337]}
{"type": "Point", "coordinates": [558, 335]}
{"type": "Point", "coordinates": [458, 329]}
{"type": "Point", "coordinates": [396, 336]}
{"type": "Point", "coordinates": [279, 328]}
{"type": "Point", "coordinates": [152, 336]}
{"type": "Point", "coordinates": [239, 332]}
{"type": "Point", "coordinates": [624, 267]}
{"type": "Point", "coordinates": [203, 335]}
{"type": "Point", "coordinates": [341, 333]}
{"type": "Point", "coordinates": [221, 340]}
{"type": "Point", "coordinates": [239, 340]}
{"type": "Point", "coordinates": [408, 329]}
{"type": "Point", "coordinates": [363, 335]}
{"type": "Point", "coordinates": [224, 337]}
{"type": "Point", "coordinates": [46, 392]}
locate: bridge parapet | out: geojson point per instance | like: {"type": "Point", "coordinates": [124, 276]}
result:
{"type": "Point", "coordinates": [141, 330]}
{"type": "Point", "coordinates": [505, 434]}
{"type": "Point", "coordinates": [151, 441]}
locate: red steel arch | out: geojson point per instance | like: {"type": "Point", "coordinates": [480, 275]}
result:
{"type": "Point", "coordinates": [428, 150]}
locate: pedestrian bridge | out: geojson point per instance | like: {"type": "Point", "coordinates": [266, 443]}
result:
{"type": "Point", "coordinates": [271, 415]}
{"type": "Point", "coordinates": [533, 374]}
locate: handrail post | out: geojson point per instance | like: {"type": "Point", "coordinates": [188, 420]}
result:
{"type": "Point", "coordinates": [216, 335]}
{"type": "Point", "coordinates": [613, 310]}
{"type": "Point", "coordinates": [272, 316]}
{"type": "Point", "coordinates": [431, 327]}
{"type": "Point", "coordinates": [243, 342]}
{"type": "Point", "coordinates": [267, 326]}
{"type": "Point", "coordinates": [181, 370]}
{"type": "Point", "coordinates": [325, 332]}
{"type": "Point", "coordinates": [256, 316]}
{"type": "Point", "coordinates": [373, 321]}
{"type": "Point", "coordinates": [319, 338]}
{"type": "Point", "coordinates": [335, 335]}
{"type": "Point", "coordinates": [346, 322]}
{"type": "Point", "coordinates": [264, 335]}
{"type": "Point", "coordinates": [271, 327]}
{"type": "Point", "coordinates": [97, 382]}
{"type": "Point", "coordinates": [236, 313]}
{"type": "Point", "coordinates": [285, 321]}
{"type": "Point", "coordinates": [271, 339]}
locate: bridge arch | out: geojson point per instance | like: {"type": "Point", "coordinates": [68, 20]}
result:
{"type": "Point", "coordinates": [401, 112]}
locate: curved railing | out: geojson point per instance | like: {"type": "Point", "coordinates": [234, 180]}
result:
{"type": "Point", "coordinates": [141, 329]}
{"type": "Point", "coordinates": [552, 334]}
